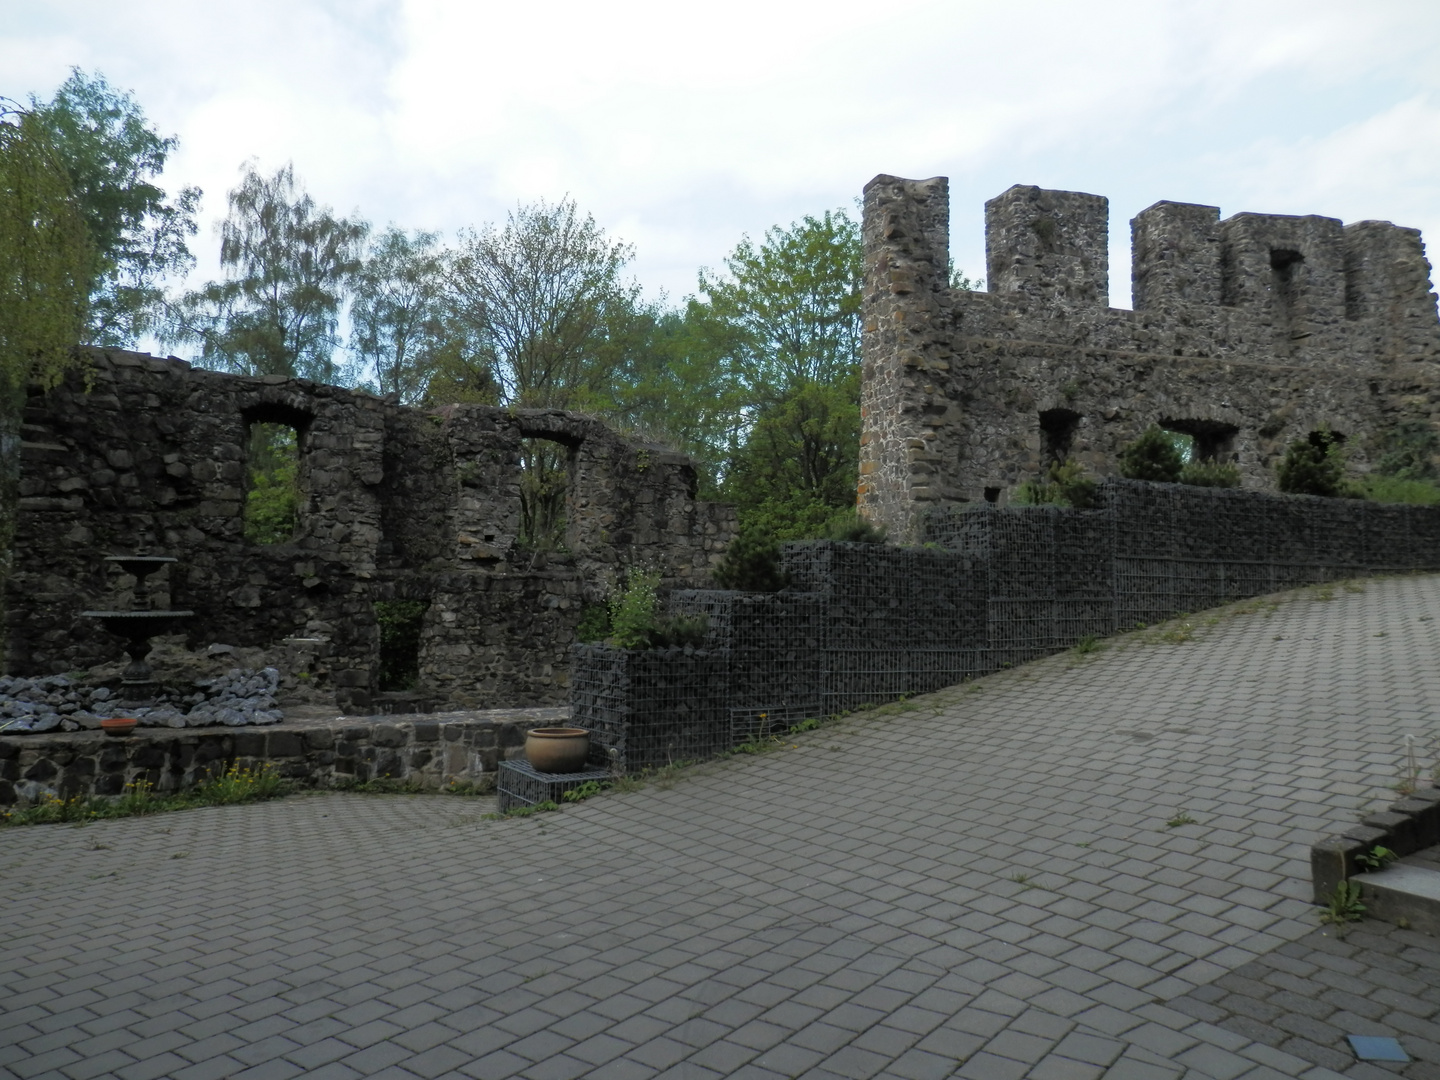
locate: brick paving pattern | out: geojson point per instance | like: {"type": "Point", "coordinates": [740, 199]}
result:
{"type": "Point", "coordinates": [994, 883]}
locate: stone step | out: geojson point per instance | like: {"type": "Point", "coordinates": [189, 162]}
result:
{"type": "Point", "coordinates": [1406, 893]}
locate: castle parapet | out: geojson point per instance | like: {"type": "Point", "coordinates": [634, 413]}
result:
{"type": "Point", "coordinates": [1048, 245]}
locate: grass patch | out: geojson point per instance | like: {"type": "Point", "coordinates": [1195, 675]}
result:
{"type": "Point", "coordinates": [235, 785]}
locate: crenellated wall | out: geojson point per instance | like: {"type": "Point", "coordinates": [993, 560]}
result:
{"type": "Point", "coordinates": [1246, 332]}
{"type": "Point", "coordinates": [134, 452]}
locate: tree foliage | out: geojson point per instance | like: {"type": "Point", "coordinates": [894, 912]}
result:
{"type": "Point", "coordinates": [539, 298]}
{"type": "Point", "coordinates": [785, 325]}
{"type": "Point", "coordinates": [1153, 456]}
{"type": "Point", "coordinates": [401, 329]}
{"type": "Point", "coordinates": [45, 259]}
{"type": "Point", "coordinates": [1315, 465]}
{"type": "Point", "coordinates": [138, 237]}
{"type": "Point", "coordinates": [289, 264]}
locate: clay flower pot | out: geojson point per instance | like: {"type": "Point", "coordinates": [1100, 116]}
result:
{"type": "Point", "coordinates": [118, 725]}
{"type": "Point", "coordinates": [557, 749]}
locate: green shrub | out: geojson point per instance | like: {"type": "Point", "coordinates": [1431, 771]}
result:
{"type": "Point", "coordinates": [632, 610]}
{"type": "Point", "coordinates": [1315, 465]}
{"type": "Point", "coordinates": [1153, 456]}
{"type": "Point", "coordinates": [751, 563]}
{"type": "Point", "coordinates": [669, 631]}
{"type": "Point", "coordinates": [1408, 451]}
{"type": "Point", "coordinates": [851, 528]}
{"type": "Point", "coordinates": [1393, 489]}
{"type": "Point", "coordinates": [594, 624]}
{"type": "Point", "coordinates": [1065, 484]}
{"type": "Point", "coordinates": [1210, 474]}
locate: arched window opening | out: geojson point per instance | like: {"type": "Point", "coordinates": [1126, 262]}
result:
{"type": "Point", "coordinates": [272, 482]}
{"type": "Point", "coordinates": [1202, 440]}
{"type": "Point", "coordinates": [544, 493]}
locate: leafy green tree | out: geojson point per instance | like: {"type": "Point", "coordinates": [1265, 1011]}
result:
{"type": "Point", "coordinates": [138, 237]}
{"type": "Point", "coordinates": [785, 322]}
{"type": "Point", "coordinates": [45, 261]}
{"type": "Point", "coordinates": [400, 327]}
{"type": "Point", "coordinates": [289, 264]}
{"type": "Point", "coordinates": [539, 297]}
{"type": "Point", "coordinates": [543, 301]}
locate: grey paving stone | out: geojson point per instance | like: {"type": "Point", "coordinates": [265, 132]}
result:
{"type": "Point", "coordinates": [673, 923]}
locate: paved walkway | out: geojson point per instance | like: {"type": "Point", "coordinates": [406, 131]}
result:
{"type": "Point", "coordinates": [1054, 873]}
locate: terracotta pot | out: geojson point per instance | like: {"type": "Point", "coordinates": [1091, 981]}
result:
{"type": "Point", "coordinates": [118, 725]}
{"type": "Point", "coordinates": [557, 749]}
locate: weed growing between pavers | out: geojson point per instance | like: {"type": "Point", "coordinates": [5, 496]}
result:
{"type": "Point", "coordinates": [1344, 907]}
{"type": "Point", "coordinates": [234, 786]}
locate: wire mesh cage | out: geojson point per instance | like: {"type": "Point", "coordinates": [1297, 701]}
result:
{"type": "Point", "coordinates": [519, 784]}
{"type": "Point", "coordinates": [862, 624]}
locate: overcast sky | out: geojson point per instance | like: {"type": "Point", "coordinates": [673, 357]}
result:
{"type": "Point", "coordinates": [682, 127]}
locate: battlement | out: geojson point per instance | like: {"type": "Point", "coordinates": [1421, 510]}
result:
{"type": "Point", "coordinates": [1248, 330]}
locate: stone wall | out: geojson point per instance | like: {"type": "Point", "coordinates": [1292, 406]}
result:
{"type": "Point", "coordinates": [134, 452]}
{"type": "Point", "coordinates": [1246, 333]}
{"type": "Point", "coordinates": [429, 754]}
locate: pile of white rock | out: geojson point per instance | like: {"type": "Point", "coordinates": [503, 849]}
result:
{"type": "Point", "coordinates": [56, 702]}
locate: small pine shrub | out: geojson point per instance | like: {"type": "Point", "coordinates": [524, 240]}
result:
{"type": "Point", "coordinates": [670, 631]}
{"type": "Point", "coordinates": [1152, 456]}
{"type": "Point", "coordinates": [1315, 465]}
{"type": "Point", "coordinates": [1211, 474]}
{"type": "Point", "coordinates": [751, 564]}
{"type": "Point", "coordinates": [851, 528]}
{"type": "Point", "coordinates": [1065, 484]}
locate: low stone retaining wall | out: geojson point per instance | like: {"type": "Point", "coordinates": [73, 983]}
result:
{"type": "Point", "coordinates": [431, 751]}
{"type": "Point", "coordinates": [1410, 825]}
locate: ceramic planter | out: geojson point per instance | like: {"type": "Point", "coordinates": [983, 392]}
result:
{"type": "Point", "coordinates": [557, 749]}
{"type": "Point", "coordinates": [118, 725]}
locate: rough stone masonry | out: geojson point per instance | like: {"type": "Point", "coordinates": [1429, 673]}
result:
{"type": "Point", "coordinates": [1246, 334]}
{"type": "Point", "coordinates": [136, 452]}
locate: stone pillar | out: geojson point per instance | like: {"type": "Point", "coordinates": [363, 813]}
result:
{"type": "Point", "coordinates": [907, 258]}
{"type": "Point", "coordinates": [1048, 245]}
{"type": "Point", "coordinates": [1289, 273]}
{"type": "Point", "coordinates": [1175, 256]}
{"type": "Point", "coordinates": [1387, 293]}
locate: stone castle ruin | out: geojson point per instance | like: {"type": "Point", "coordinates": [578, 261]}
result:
{"type": "Point", "coordinates": [136, 452]}
{"type": "Point", "coordinates": [1246, 334]}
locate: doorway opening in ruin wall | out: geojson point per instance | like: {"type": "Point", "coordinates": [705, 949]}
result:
{"type": "Point", "coordinates": [400, 623]}
{"type": "Point", "coordinates": [1202, 440]}
{"type": "Point", "coordinates": [274, 441]}
{"type": "Point", "coordinates": [1057, 435]}
{"type": "Point", "coordinates": [545, 483]}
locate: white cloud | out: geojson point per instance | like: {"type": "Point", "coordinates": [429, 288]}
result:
{"type": "Point", "coordinates": [680, 127]}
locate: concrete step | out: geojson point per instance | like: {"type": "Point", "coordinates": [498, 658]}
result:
{"type": "Point", "coordinates": [1406, 892]}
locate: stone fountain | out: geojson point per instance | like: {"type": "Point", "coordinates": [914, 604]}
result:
{"type": "Point", "coordinates": [138, 626]}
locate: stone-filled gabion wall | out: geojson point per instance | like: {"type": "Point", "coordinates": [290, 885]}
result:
{"type": "Point", "coordinates": [646, 709]}
{"type": "Point", "coordinates": [863, 624]}
{"type": "Point", "coordinates": [1246, 333]}
{"type": "Point", "coordinates": [134, 452]}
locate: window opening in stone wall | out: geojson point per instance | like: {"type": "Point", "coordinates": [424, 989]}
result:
{"type": "Point", "coordinates": [1202, 440]}
{"type": "Point", "coordinates": [400, 622]}
{"type": "Point", "coordinates": [1057, 434]}
{"type": "Point", "coordinates": [272, 482]}
{"type": "Point", "coordinates": [544, 485]}
{"type": "Point", "coordinates": [1284, 287]}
